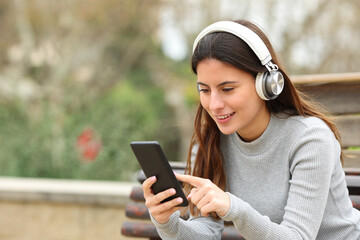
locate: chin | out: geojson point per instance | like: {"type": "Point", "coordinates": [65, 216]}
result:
{"type": "Point", "coordinates": [227, 131]}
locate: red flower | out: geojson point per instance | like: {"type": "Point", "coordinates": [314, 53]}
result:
{"type": "Point", "coordinates": [85, 137]}
{"type": "Point", "coordinates": [91, 151]}
{"type": "Point", "coordinates": [88, 145]}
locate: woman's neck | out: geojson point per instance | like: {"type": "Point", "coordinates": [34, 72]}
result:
{"type": "Point", "coordinates": [257, 128]}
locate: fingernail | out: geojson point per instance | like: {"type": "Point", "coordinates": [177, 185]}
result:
{"type": "Point", "coordinates": [179, 200]}
{"type": "Point", "coordinates": [153, 178]}
{"type": "Point", "coordinates": [189, 196]}
{"type": "Point", "coordinates": [172, 191]}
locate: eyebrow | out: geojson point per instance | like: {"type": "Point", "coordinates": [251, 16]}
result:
{"type": "Point", "coordinates": [219, 85]}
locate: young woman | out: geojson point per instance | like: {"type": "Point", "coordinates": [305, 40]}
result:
{"type": "Point", "coordinates": [261, 155]}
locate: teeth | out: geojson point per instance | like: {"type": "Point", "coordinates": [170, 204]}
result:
{"type": "Point", "coordinates": [224, 116]}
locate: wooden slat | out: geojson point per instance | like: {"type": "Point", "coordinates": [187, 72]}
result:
{"type": "Point", "coordinates": [352, 159]}
{"type": "Point", "coordinates": [349, 127]}
{"type": "Point", "coordinates": [353, 184]}
{"type": "Point", "coordinates": [137, 194]}
{"type": "Point", "coordinates": [137, 211]}
{"type": "Point", "coordinates": [337, 98]}
{"type": "Point", "coordinates": [230, 233]}
{"type": "Point", "coordinates": [352, 171]}
{"type": "Point", "coordinates": [136, 229]}
{"type": "Point", "coordinates": [326, 78]}
{"type": "Point", "coordinates": [339, 93]}
{"type": "Point", "coordinates": [140, 212]}
{"type": "Point", "coordinates": [355, 201]}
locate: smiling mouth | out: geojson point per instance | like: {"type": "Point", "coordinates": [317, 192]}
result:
{"type": "Point", "coordinates": [222, 117]}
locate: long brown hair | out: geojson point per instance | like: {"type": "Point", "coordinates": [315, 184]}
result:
{"type": "Point", "coordinates": [228, 48]}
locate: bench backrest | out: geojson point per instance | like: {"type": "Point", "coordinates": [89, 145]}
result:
{"type": "Point", "coordinates": [340, 95]}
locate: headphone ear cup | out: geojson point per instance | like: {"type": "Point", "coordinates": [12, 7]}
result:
{"type": "Point", "coordinates": [269, 85]}
{"type": "Point", "coordinates": [260, 85]}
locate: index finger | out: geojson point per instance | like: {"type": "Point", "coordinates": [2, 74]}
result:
{"type": "Point", "coordinates": [194, 181]}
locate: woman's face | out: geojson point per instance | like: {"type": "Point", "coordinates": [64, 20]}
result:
{"type": "Point", "coordinates": [228, 94]}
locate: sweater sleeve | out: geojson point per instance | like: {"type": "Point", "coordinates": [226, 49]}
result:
{"type": "Point", "coordinates": [195, 228]}
{"type": "Point", "coordinates": [312, 158]}
{"type": "Point", "coordinates": [199, 228]}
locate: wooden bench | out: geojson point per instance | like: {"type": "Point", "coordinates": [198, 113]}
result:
{"type": "Point", "coordinates": [339, 93]}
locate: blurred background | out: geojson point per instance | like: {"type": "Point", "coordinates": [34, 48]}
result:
{"type": "Point", "coordinates": [81, 79]}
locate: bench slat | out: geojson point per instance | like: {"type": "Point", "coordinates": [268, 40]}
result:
{"type": "Point", "coordinates": [352, 160]}
{"type": "Point", "coordinates": [350, 169]}
{"type": "Point", "coordinates": [353, 184]}
{"type": "Point", "coordinates": [140, 211]}
{"type": "Point", "coordinates": [337, 97]}
{"type": "Point", "coordinates": [349, 128]}
{"type": "Point", "coordinates": [317, 79]}
{"type": "Point", "coordinates": [137, 211]}
{"type": "Point", "coordinates": [137, 194]}
{"type": "Point", "coordinates": [230, 233]}
{"type": "Point", "coordinates": [136, 229]}
{"type": "Point", "coordinates": [355, 201]}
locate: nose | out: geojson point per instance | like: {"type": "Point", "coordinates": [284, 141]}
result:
{"type": "Point", "coordinates": [216, 102]}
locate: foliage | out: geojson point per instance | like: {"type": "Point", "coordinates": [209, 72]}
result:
{"type": "Point", "coordinates": [30, 148]}
{"type": "Point", "coordinates": [75, 88]}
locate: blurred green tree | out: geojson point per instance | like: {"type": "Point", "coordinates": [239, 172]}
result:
{"type": "Point", "coordinates": [72, 66]}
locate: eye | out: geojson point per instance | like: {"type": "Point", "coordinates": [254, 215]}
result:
{"type": "Point", "coordinates": [228, 89]}
{"type": "Point", "coordinates": [204, 90]}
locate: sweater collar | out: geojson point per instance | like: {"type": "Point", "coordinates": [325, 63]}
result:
{"type": "Point", "coordinates": [266, 141]}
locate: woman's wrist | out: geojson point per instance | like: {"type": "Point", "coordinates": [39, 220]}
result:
{"type": "Point", "coordinates": [223, 212]}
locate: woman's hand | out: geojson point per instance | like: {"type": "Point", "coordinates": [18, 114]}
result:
{"type": "Point", "coordinates": [206, 196]}
{"type": "Point", "coordinates": [161, 212]}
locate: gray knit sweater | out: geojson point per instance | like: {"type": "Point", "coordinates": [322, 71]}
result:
{"type": "Point", "coordinates": [287, 184]}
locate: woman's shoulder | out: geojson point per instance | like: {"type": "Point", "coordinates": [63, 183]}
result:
{"type": "Point", "coordinates": [297, 128]}
{"type": "Point", "coordinates": [305, 122]}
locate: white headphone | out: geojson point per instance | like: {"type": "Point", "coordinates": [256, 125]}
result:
{"type": "Point", "coordinates": [268, 84]}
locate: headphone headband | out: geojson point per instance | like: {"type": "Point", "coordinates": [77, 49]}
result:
{"type": "Point", "coordinates": [269, 84]}
{"type": "Point", "coordinates": [242, 32]}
